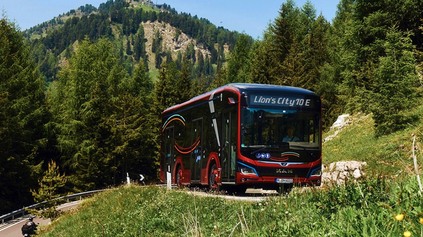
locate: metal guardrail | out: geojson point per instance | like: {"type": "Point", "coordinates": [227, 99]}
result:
{"type": "Point", "coordinates": [21, 212]}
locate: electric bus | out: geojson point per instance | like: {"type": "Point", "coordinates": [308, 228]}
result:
{"type": "Point", "coordinates": [243, 135]}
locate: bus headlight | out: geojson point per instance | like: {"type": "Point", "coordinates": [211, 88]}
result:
{"type": "Point", "coordinates": [246, 169]}
{"type": "Point", "coordinates": [316, 172]}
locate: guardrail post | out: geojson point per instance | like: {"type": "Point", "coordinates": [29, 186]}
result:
{"type": "Point", "coordinates": [168, 178]}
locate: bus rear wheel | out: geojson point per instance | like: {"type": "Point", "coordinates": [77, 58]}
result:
{"type": "Point", "coordinates": [213, 173]}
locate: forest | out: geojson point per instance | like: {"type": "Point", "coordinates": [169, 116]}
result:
{"type": "Point", "coordinates": [81, 95]}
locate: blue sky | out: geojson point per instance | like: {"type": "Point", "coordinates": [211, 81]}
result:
{"type": "Point", "coordinates": [247, 16]}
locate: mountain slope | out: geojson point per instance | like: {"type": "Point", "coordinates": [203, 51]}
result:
{"type": "Point", "coordinates": [140, 30]}
{"type": "Point", "coordinates": [389, 155]}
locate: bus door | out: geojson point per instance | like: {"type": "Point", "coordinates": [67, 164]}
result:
{"type": "Point", "coordinates": [228, 155]}
{"type": "Point", "coordinates": [168, 150]}
{"type": "Point", "coordinates": [197, 155]}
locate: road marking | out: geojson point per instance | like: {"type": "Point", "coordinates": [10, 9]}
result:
{"type": "Point", "coordinates": [11, 225]}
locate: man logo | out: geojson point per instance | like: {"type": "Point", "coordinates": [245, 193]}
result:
{"type": "Point", "coordinates": [284, 171]}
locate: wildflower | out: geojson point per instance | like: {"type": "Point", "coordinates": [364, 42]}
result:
{"type": "Point", "coordinates": [421, 220]}
{"type": "Point", "coordinates": [399, 217]}
{"type": "Point", "coordinates": [407, 233]}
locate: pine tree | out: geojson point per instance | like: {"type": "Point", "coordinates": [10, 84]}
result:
{"type": "Point", "coordinates": [49, 190]}
{"type": "Point", "coordinates": [394, 89]}
{"type": "Point", "coordinates": [132, 133]}
{"type": "Point", "coordinates": [90, 85]}
{"type": "Point", "coordinates": [139, 45]}
{"type": "Point", "coordinates": [239, 58]}
{"type": "Point", "coordinates": [339, 76]}
{"type": "Point", "coordinates": [184, 84]}
{"type": "Point", "coordinates": [22, 119]}
{"type": "Point", "coordinates": [370, 61]}
{"type": "Point", "coordinates": [261, 61]}
{"type": "Point", "coordinates": [284, 32]}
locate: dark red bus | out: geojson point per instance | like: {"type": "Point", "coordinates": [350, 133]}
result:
{"type": "Point", "coordinates": [244, 135]}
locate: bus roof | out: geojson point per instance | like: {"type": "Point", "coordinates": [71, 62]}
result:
{"type": "Point", "coordinates": [270, 88]}
{"type": "Point", "coordinates": [241, 88]}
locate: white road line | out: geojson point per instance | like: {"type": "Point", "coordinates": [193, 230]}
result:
{"type": "Point", "coordinates": [11, 225]}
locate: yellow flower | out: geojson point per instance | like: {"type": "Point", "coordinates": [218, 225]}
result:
{"type": "Point", "coordinates": [399, 217]}
{"type": "Point", "coordinates": [407, 234]}
{"type": "Point", "coordinates": [421, 220]}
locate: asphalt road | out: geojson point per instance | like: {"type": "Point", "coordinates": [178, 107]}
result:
{"type": "Point", "coordinates": [13, 228]}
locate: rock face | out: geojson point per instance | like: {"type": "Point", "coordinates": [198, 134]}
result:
{"type": "Point", "coordinates": [341, 122]}
{"type": "Point", "coordinates": [173, 40]}
{"type": "Point", "coordinates": [341, 171]}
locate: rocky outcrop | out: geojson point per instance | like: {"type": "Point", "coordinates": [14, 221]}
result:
{"type": "Point", "coordinates": [173, 40]}
{"type": "Point", "coordinates": [341, 171]}
{"type": "Point", "coordinates": [341, 122]}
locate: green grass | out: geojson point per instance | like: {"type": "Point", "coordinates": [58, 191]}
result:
{"type": "Point", "coordinates": [388, 155]}
{"type": "Point", "coordinates": [356, 209]}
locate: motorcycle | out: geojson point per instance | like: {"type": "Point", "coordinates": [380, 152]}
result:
{"type": "Point", "coordinates": [29, 228]}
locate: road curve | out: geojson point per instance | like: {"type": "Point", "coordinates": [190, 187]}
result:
{"type": "Point", "coordinates": [13, 228]}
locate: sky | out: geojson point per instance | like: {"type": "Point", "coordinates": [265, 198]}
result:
{"type": "Point", "coordinates": [251, 17]}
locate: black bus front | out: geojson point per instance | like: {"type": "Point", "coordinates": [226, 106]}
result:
{"type": "Point", "coordinates": [280, 139]}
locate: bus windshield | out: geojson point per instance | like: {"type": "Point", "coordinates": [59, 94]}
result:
{"type": "Point", "coordinates": [269, 127]}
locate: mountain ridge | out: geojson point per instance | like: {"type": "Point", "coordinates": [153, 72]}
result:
{"type": "Point", "coordinates": [139, 30]}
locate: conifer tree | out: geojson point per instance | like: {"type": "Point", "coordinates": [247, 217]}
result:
{"type": "Point", "coordinates": [368, 62]}
{"type": "Point", "coordinates": [22, 119]}
{"type": "Point", "coordinates": [284, 32]}
{"type": "Point", "coordinates": [90, 85]}
{"type": "Point", "coordinates": [219, 79]}
{"type": "Point", "coordinates": [166, 93]}
{"type": "Point", "coordinates": [337, 79]}
{"type": "Point", "coordinates": [394, 89]}
{"type": "Point", "coordinates": [49, 189]}
{"type": "Point", "coordinates": [132, 129]}
{"type": "Point", "coordinates": [184, 83]}
{"type": "Point", "coordinates": [261, 61]}
{"type": "Point", "coordinates": [139, 45]}
{"type": "Point", "coordinates": [239, 58]}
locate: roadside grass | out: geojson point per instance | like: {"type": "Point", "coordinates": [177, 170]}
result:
{"type": "Point", "coordinates": [366, 208]}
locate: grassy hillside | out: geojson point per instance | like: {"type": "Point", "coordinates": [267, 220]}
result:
{"type": "Point", "coordinates": [366, 209]}
{"type": "Point", "coordinates": [385, 156]}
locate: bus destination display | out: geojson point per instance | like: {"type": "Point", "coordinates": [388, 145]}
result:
{"type": "Point", "coordinates": [284, 101]}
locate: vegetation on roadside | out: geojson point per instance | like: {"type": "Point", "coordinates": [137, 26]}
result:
{"type": "Point", "coordinates": [374, 207]}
